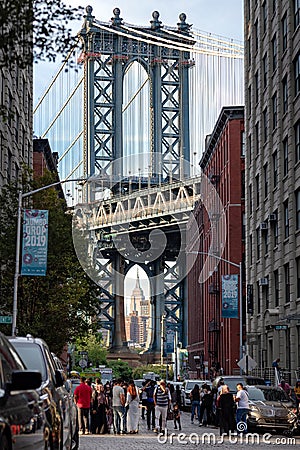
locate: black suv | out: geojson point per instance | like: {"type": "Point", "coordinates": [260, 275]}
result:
{"type": "Point", "coordinates": [23, 423]}
{"type": "Point", "coordinates": [36, 355]}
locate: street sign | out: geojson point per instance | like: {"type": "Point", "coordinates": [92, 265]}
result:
{"type": "Point", "coordinates": [280, 327]}
{"type": "Point", "coordinates": [83, 363]}
{"type": "Point", "coordinates": [5, 319]}
{"type": "Point", "coordinates": [82, 352]}
{"type": "Point", "coordinates": [247, 363]}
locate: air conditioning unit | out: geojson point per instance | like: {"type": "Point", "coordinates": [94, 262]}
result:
{"type": "Point", "coordinates": [272, 218]}
{"type": "Point", "coordinates": [263, 282]}
{"type": "Point", "coordinates": [264, 226]}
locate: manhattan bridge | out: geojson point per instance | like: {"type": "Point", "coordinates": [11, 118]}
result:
{"type": "Point", "coordinates": [128, 111]}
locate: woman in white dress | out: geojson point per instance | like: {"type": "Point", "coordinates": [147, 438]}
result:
{"type": "Point", "coordinates": [132, 402]}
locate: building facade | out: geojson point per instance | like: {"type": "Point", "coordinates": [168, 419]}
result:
{"type": "Point", "coordinates": [213, 339]}
{"type": "Point", "coordinates": [272, 86]}
{"type": "Point", "coordinates": [138, 320]}
{"type": "Point", "coordinates": [16, 122]}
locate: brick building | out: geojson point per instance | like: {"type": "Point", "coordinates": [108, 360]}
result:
{"type": "Point", "coordinates": [212, 338]}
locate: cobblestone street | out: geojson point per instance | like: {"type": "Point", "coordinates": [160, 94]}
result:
{"type": "Point", "coordinates": [189, 437]}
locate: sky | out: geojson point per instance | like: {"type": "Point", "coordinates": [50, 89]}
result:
{"type": "Point", "coordinates": [220, 17]}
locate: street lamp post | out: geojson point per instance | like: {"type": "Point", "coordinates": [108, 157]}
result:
{"type": "Point", "coordinates": [18, 244]}
{"type": "Point", "coordinates": [240, 267]}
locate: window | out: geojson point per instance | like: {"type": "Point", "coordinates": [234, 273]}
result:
{"type": "Point", "coordinates": [274, 52]}
{"type": "Point", "coordinates": [258, 243]}
{"type": "Point", "coordinates": [266, 186]}
{"type": "Point", "coordinates": [285, 95]}
{"type": "Point", "coordinates": [297, 74]}
{"type": "Point", "coordinates": [249, 150]}
{"type": "Point", "coordinates": [258, 297]}
{"type": "Point", "coordinates": [243, 183]}
{"type": "Point", "coordinates": [256, 86]}
{"type": "Point", "coordinates": [256, 35]}
{"type": "Point", "coordinates": [287, 282]}
{"type": "Point", "coordinates": [284, 32]}
{"type": "Point", "coordinates": [286, 219]}
{"type": "Point", "coordinates": [266, 241]}
{"type": "Point", "coordinates": [276, 230]}
{"type": "Point", "coordinates": [275, 169]}
{"type": "Point", "coordinates": [243, 143]}
{"type": "Point", "coordinates": [265, 70]}
{"type": "Point", "coordinates": [297, 141]}
{"type": "Point", "coordinates": [257, 137]}
{"type": "Point", "coordinates": [297, 195]}
{"type": "Point", "coordinates": [296, 13]}
{"type": "Point", "coordinates": [250, 198]}
{"type": "Point", "coordinates": [276, 288]}
{"type": "Point", "coordinates": [249, 99]}
{"type": "Point", "coordinates": [265, 124]}
{"type": "Point", "coordinates": [298, 276]}
{"type": "Point", "coordinates": [243, 226]}
{"type": "Point", "coordinates": [9, 165]}
{"type": "Point", "coordinates": [274, 111]}
{"type": "Point", "coordinates": [285, 156]}
{"type": "Point", "coordinates": [266, 296]}
{"type": "Point", "coordinates": [264, 16]}
{"type": "Point", "coordinates": [250, 249]}
{"type": "Point", "coordinates": [257, 190]}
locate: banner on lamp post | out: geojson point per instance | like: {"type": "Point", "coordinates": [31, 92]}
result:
{"type": "Point", "coordinates": [230, 296]}
{"type": "Point", "coordinates": [34, 242]}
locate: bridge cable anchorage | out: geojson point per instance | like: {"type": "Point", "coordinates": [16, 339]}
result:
{"type": "Point", "coordinates": [56, 76]}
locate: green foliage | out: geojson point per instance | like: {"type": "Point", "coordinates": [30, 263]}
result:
{"type": "Point", "coordinates": [63, 305]}
{"type": "Point", "coordinates": [35, 29]}
{"type": "Point", "coordinates": [96, 351]}
{"type": "Point", "coordinates": [121, 369]}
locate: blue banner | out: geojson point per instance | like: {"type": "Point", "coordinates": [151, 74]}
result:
{"type": "Point", "coordinates": [35, 242]}
{"type": "Point", "coordinates": [230, 296]}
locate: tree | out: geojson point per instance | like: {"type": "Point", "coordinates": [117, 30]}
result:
{"type": "Point", "coordinates": [64, 304]}
{"type": "Point", "coordinates": [121, 369]}
{"type": "Point", "coordinates": [93, 345]}
{"type": "Point", "coordinates": [35, 29]}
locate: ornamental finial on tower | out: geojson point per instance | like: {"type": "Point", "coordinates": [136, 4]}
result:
{"type": "Point", "coordinates": [182, 25]}
{"type": "Point", "coordinates": [155, 23]}
{"type": "Point", "coordinates": [88, 18]}
{"type": "Point", "coordinates": [116, 20]}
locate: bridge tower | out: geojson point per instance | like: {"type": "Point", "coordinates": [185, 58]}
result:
{"type": "Point", "coordinates": [107, 52]}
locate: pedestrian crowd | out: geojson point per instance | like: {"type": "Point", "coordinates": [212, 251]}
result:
{"type": "Point", "coordinates": [116, 407]}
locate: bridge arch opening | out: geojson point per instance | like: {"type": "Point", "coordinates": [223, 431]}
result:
{"type": "Point", "coordinates": [136, 127]}
{"type": "Point", "coordinates": [137, 308]}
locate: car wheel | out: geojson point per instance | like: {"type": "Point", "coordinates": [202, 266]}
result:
{"type": "Point", "coordinates": [5, 442]}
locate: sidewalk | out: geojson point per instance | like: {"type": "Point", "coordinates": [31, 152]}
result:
{"type": "Point", "coordinates": [190, 437]}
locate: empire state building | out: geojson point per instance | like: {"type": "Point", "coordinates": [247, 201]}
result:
{"type": "Point", "coordinates": [137, 322]}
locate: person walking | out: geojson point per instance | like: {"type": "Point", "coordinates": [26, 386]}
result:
{"type": "Point", "coordinates": [99, 406]}
{"type": "Point", "coordinates": [297, 395]}
{"type": "Point", "coordinates": [195, 401]}
{"type": "Point", "coordinates": [143, 397]}
{"type": "Point", "coordinates": [149, 389]}
{"type": "Point", "coordinates": [226, 406]}
{"type": "Point", "coordinates": [206, 406]}
{"type": "Point", "coordinates": [162, 401]}
{"type": "Point", "coordinates": [82, 398]}
{"type": "Point", "coordinates": [242, 400]}
{"type": "Point", "coordinates": [132, 401]}
{"type": "Point", "coordinates": [118, 405]}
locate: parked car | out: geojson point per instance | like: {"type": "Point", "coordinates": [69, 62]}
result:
{"type": "Point", "coordinates": [187, 387]}
{"type": "Point", "coordinates": [271, 408]}
{"type": "Point", "coordinates": [23, 423]}
{"type": "Point", "coordinates": [232, 380]}
{"type": "Point", "coordinates": [66, 392]}
{"type": "Point", "coordinates": [36, 355]}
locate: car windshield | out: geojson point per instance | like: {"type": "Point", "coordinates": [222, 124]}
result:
{"type": "Point", "coordinates": [32, 356]}
{"type": "Point", "coordinates": [232, 382]}
{"type": "Point", "coordinates": [191, 384]}
{"type": "Point", "coordinates": [275, 395]}
{"type": "Point", "coordinates": [256, 394]}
